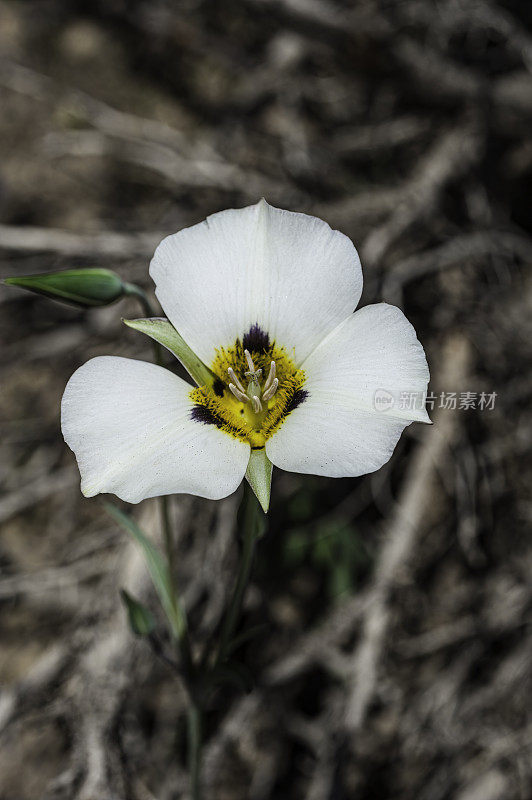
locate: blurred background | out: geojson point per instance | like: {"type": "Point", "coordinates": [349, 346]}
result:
{"type": "Point", "coordinates": [396, 662]}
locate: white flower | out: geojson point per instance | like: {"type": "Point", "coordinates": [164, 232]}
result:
{"type": "Point", "coordinates": [265, 298]}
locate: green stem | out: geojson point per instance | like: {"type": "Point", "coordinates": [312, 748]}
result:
{"type": "Point", "coordinates": [132, 290]}
{"type": "Point", "coordinates": [195, 736]}
{"type": "Point", "coordinates": [251, 521]}
{"type": "Point", "coordinates": [250, 524]}
{"type": "Point", "coordinates": [194, 718]}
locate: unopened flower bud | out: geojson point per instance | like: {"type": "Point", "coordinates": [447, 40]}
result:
{"type": "Point", "coordinates": [80, 287]}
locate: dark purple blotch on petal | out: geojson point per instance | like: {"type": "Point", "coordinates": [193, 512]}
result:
{"type": "Point", "coordinates": [299, 396]}
{"type": "Point", "coordinates": [206, 416]}
{"type": "Point", "coordinates": [256, 340]}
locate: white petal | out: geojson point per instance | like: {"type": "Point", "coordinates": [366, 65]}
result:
{"type": "Point", "coordinates": [288, 273]}
{"type": "Point", "coordinates": [337, 430]}
{"type": "Point", "coordinates": [129, 424]}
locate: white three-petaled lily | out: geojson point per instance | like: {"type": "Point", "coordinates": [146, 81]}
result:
{"type": "Point", "coordinates": [286, 372]}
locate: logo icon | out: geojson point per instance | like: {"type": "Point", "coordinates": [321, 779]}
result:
{"type": "Point", "coordinates": [383, 400]}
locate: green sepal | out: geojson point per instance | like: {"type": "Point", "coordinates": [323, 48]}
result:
{"type": "Point", "coordinates": [158, 569]}
{"type": "Point", "coordinates": [259, 476]}
{"type": "Point", "coordinates": [79, 287]}
{"type": "Point", "coordinates": [160, 329]}
{"type": "Point", "coordinates": [140, 618]}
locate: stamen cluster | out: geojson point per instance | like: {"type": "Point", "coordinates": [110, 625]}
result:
{"type": "Point", "coordinates": [243, 404]}
{"type": "Point", "coordinates": [254, 394]}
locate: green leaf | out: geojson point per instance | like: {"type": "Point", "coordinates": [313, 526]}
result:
{"type": "Point", "coordinates": [158, 569]}
{"type": "Point", "coordinates": [259, 476]}
{"type": "Point", "coordinates": [163, 331]}
{"type": "Point", "coordinates": [78, 287]}
{"type": "Point", "coordinates": [140, 618]}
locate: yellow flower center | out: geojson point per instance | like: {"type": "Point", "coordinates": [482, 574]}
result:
{"type": "Point", "coordinates": [257, 386]}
